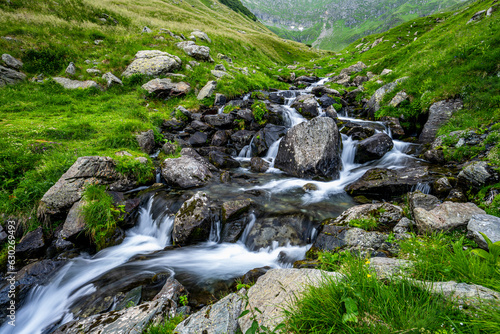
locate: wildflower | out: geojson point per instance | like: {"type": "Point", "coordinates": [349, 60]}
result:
{"type": "Point", "coordinates": [367, 262]}
{"type": "Point", "coordinates": [368, 275]}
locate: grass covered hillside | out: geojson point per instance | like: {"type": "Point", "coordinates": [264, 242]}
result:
{"type": "Point", "coordinates": [46, 127]}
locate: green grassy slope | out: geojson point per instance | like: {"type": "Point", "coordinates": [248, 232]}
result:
{"type": "Point", "coordinates": [44, 127]}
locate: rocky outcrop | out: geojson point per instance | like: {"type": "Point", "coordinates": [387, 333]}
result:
{"type": "Point", "coordinates": [146, 141]}
{"type": "Point", "coordinates": [487, 224]}
{"type": "Point", "coordinates": [374, 102]}
{"type": "Point", "coordinates": [10, 77]}
{"type": "Point", "coordinates": [207, 90]}
{"type": "Point", "coordinates": [198, 52]}
{"type": "Point", "coordinates": [165, 88]}
{"type": "Point", "coordinates": [221, 317]}
{"type": "Point", "coordinates": [306, 105]}
{"type": "Point", "coordinates": [445, 217]}
{"type": "Point", "coordinates": [233, 209]}
{"type": "Point", "coordinates": [374, 147]}
{"type": "Point", "coordinates": [267, 136]}
{"type": "Point", "coordinates": [294, 229]}
{"type": "Point", "coordinates": [194, 220]}
{"type": "Point", "coordinates": [111, 80]}
{"type": "Point", "coordinates": [201, 35]}
{"type": "Point", "coordinates": [74, 225]}
{"type": "Point", "coordinates": [387, 183]}
{"type": "Point", "coordinates": [277, 289]}
{"type": "Point", "coordinates": [12, 62]}
{"type": "Point", "coordinates": [153, 63]}
{"type": "Point", "coordinates": [477, 175]}
{"type": "Point", "coordinates": [311, 149]}
{"type": "Point", "coordinates": [186, 172]}
{"type": "Point", "coordinates": [31, 245]}
{"type": "Point", "coordinates": [334, 238]}
{"type": "Point", "coordinates": [75, 84]}
{"type": "Point", "coordinates": [439, 113]}
{"type": "Point", "coordinates": [69, 188]}
{"type": "Point", "coordinates": [385, 213]}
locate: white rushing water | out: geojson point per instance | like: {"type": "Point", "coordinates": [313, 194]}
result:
{"type": "Point", "coordinates": [50, 304]}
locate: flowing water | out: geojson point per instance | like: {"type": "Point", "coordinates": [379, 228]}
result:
{"type": "Point", "coordinates": [47, 307]}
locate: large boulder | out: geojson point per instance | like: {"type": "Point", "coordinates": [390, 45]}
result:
{"type": "Point", "coordinates": [207, 90]}
{"type": "Point", "coordinates": [165, 88]}
{"type": "Point", "coordinates": [194, 220]}
{"type": "Point", "coordinates": [259, 165]}
{"type": "Point", "coordinates": [234, 209]}
{"type": "Point", "coordinates": [186, 172]}
{"type": "Point", "coordinates": [374, 147]}
{"type": "Point", "coordinates": [383, 183]}
{"type": "Point", "coordinates": [74, 225]}
{"type": "Point", "coordinates": [10, 77]}
{"type": "Point", "coordinates": [445, 217]}
{"type": "Point", "coordinates": [439, 113]}
{"type": "Point", "coordinates": [333, 238]}
{"type": "Point", "coordinates": [306, 105]}
{"type": "Point", "coordinates": [153, 63]}
{"type": "Point", "coordinates": [487, 224]}
{"type": "Point", "coordinates": [278, 289]}
{"type": "Point", "coordinates": [31, 245]}
{"type": "Point", "coordinates": [418, 199]}
{"type": "Point", "coordinates": [69, 188]}
{"type": "Point", "coordinates": [477, 175]}
{"type": "Point", "coordinates": [267, 136]}
{"type": "Point", "coordinates": [385, 213]}
{"type": "Point", "coordinates": [290, 229]}
{"type": "Point", "coordinates": [132, 320]}
{"type": "Point", "coordinates": [221, 317]}
{"type": "Point", "coordinates": [196, 51]}
{"type": "Point", "coordinates": [311, 149]}
{"type": "Point", "coordinates": [75, 84]}
{"type": "Point", "coordinates": [222, 160]}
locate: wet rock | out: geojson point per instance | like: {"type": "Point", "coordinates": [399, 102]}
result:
{"type": "Point", "coordinates": [322, 90]}
{"type": "Point", "coordinates": [194, 220]}
{"type": "Point", "coordinates": [153, 63]}
{"type": "Point", "coordinates": [132, 298]}
{"type": "Point", "coordinates": [447, 216]}
{"type": "Point", "coordinates": [222, 160]}
{"type": "Point", "coordinates": [75, 84]}
{"type": "Point", "coordinates": [326, 101]}
{"type": "Point", "coordinates": [200, 126]}
{"type": "Point", "coordinates": [308, 79]}
{"type": "Point", "coordinates": [221, 317]}
{"type": "Point", "coordinates": [439, 113]}
{"type": "Point", "coordinates": [234, 209]}
{"type": "Point", "coordinates": [207, 90]}
{"type": "Point", "coordinates": [487, 224]}
{"type": "Point", "coordinates": [274, 291]}
{"type": "Point", "coordinates": [68, 189]}
{"type": "Point", "coordinates": [442, 186]}
{"type": "Point", "coordinates": [220, 138]}
{"type": "Point", "coordinates": [393, 124]}
{"type": "Point", "coordinates": [198, 139]}
{"type": "Point", "coordinates": [311, 149]}
{"type": "Point", "coordinates": [242, 138]}
{"type": "Point", "coordinates": [198, 52]}
{"type": "Point", "coordinates": [385, 213]}
{"type": "Point", "coordinates": [146, 141]}
{"type": "Point", "coordinates": [294, 229]}
{"type": "Point", "coordinates": [382, 183]}
{"type": "Point", "coordinates": [477, 175]}
{"type": "Point", "coordinates": [10, 77]}
{"type": "Point", "coordinates": [31, 245]}
{"type": "Point", "coordinates": [306, 105]}
{"type": "Point", "coordinates": [225, 177]}
{"type": "Point", "coordinates": [245, 114]}
{"type": "Point", "coordinates": [419, 200]}
{"type": "Point", "coordinates": [251, 276]}
{"type": "Point", "coordinates": [224, 121]}
{"type": "Point", "coordinates": [165, 88]}
{"type": "Point", "coordinates": [185, 172]}
{"type": "Point", "coordinates": [435, 156]}
{"type": "Point", "coordinates": [220, 100]}
{"type": "Point", "coordinates": [360, 132]}
{"type": "Point", "coordinates": [258, 165]}
{"type": "Point", "coordinates": [374, 147]}
{"type": "Point", "coordinates": [12, 62]}
{"type": "Point", "coordinates": [332, 113]}
{"type": "Point", "coordinates": [267, 136]}
{"type": "Point", "coordinates": [131, 320]}
{"type": "Point", "coordinates": [171, 290]}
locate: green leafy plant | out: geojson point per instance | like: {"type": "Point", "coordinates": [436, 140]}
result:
{"type": "Point", "coordinates": [391, 238]}
{"type": "Point", "coordinates": [259, 110]}
{"type": "Point", "coordinates": [368, 224]}
{"type": "Point", "coordinates": [183, 300]}
{"type": "Point", "coordinates": [493, 254]}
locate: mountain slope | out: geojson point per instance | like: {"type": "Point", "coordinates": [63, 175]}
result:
{"type": "Point", "coordinates": [333, 24]}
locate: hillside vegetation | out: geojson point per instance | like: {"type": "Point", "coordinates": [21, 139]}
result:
{"type": "Point", "coordinates": [45, 127]}
{"type": "Point", "coordinates": [332, 25]}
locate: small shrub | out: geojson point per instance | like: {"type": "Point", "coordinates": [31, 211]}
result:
{"type": "Point", "coordinates": [134, 169]}
{"type": "Point", "coordinates": [259, 110]}
{"type": "Point", "coordinates": [49, 60]}
{"type": "Point", "coordinates": [368, 224]}
{"type": "Point", "coordinates": [165, 328]}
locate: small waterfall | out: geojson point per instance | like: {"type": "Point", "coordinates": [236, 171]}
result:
{"type": "Point", "coordinates": [221, 110]}
{"type": "Point", "coordinates": [246, 151]}
{"type": "Point", "coordinates": [158, 176]}
{"type": "Point", "coordinates": [424, 188]}
{"type": "Point", "coordinates": [272, 152]}
{"type": "Point", "coordinates": [248, 228]}
{"type": "Point", "coordinates": [215, 231]}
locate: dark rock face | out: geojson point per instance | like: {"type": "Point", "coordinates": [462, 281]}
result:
{"type": "Point", "coordinates": [233, 209]}
{"type": "Point", "coordinates": [220, 120]}
{"type": "Point", "coordinates": [396, 128]}
{"type": "Point", "coordinates": [373, 148]}
{"type": "Point", "coordinates": [198, 139]}
{"type": "Point", "coordinates": [200, 126]}
{"type": "Point", "coordinates": [31, 245]}
{"type": "Point", "coordinates": [325, 101]}
{"type": "Point", "coordinates": [311, 149]}
{"type": "Point", "coordinates": [222, 160]}
{"type": "Point", "coordinates": [242, 138]}
{"type": "Point", "coordinates": [294, 229]}
{"type": "Point", "coordinates": [439, 113]}
{"type": "Point", "coordinates": [146, 141]}
{"type": "Point", "coordinates": [386, 183]}
{"type": "Point", "coordinates": [220, 138]}
{"type": "Point", "coordinates": [267, 136]}
{"type": "Point", "coordinates": [360, 132]}
{"type": "Point", "coordinates": [194, 220]}
{"type": "Point", "coordinates": [342, 237]}
{"type": "Point", "coordinates": [258, 165]}
{"type": "Point", "coordinates": [68, 189]}
{"type": "Point", "coordinates": [306, 105]}
{"type": "Point", "coordinates": [185, 172]}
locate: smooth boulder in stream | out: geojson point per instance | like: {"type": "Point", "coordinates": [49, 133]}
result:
{"type": "Point", "coordinates": [374, 147]}
{"type": "Point", "coordinates": [311, 149]}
